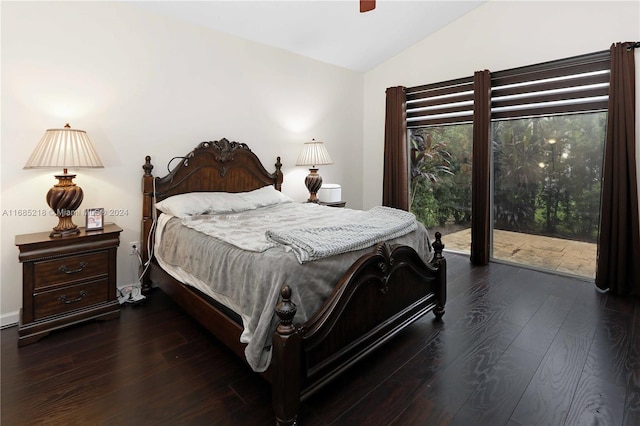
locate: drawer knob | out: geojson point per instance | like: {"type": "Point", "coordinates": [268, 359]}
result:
{"type": "Point", "coordinates": [66, 301]}
{"type": "Point", "coordinates": [64, 269]}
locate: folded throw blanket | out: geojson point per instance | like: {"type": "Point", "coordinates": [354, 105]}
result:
{"type": "Point", "coordinates": [375, 225]}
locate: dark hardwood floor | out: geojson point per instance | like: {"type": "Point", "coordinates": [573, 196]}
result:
{"type": "Point", "coordinates": [515, 348]}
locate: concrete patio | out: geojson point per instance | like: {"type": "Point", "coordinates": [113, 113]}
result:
{"type": "Point", "coordinates": [566, 256]}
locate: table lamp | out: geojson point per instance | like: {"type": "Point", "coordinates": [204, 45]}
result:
{"type": "Point", "coordinates": [313, 154]}
{"type": "Point", "coordinates": [65, 148]}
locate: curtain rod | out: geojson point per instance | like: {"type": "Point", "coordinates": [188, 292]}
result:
{"type": "Point", "coordinates": [633, 45]}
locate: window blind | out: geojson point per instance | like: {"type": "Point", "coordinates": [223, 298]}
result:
{"type": "Point", "coordinates": [447, 102]}
{"type": "Point", "coordinates": [571, 85]}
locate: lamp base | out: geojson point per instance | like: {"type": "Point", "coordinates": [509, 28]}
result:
{"type": "Point", "coordinates": [313, 181]}
{"type": "Point", "coordinates": [64, 198]}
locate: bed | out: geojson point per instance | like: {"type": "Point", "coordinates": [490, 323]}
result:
{"type": "Point", "coordinates": [366, 295]}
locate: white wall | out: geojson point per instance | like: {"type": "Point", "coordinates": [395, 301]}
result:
{"type": "Point", "coordinates": [496, 36]}
{"type": "Point", "coordinates": [142, 84]}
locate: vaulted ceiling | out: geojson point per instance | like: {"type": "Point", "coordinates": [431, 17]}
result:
{"type": "Point", "coordinates": [332, 31]}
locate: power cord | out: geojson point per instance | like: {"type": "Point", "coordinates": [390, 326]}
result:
{"type": "Point", "coordinates": [150, 243]}
{"type": "Point", "coordinates": [132, 293]}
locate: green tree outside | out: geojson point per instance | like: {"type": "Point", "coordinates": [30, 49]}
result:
{"type": "Point", "coordinates": [547, 175]}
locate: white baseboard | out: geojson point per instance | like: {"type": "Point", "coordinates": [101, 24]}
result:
{"type": "Point", "coordinates": [10, 319]}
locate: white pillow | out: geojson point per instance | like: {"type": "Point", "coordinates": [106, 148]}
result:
{"type": "Point", "coordinates": [262, 197]}
{"type": "Point", "coordinates": [197, 203]}
{"type": "Point", "coordinates": [194, 203]}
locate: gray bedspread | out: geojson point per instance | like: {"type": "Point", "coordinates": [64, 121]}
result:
{"type": "Point", "coordinates": [250, 282]}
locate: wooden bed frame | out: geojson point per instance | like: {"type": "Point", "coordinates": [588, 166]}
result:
{"type": "Point", "coordinates": [382, 292]}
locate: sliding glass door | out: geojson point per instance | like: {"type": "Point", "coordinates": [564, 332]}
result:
{"type": "Point", "coordinates": [547, 174]}
{"type": "Point", "coordinates": [440, 185]}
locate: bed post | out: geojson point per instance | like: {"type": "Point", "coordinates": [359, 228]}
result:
{"type": "Point", "coordinates": [277, 175]}
{"type": "Point", "coordinates": [286, 362]}
{"type": "Point", "coordinates": [147, 220]}
{"type": "Point", "coordinates": [441, 278]}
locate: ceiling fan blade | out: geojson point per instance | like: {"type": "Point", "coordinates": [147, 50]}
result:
{"type": "Point", "coordinates": [367, 5]}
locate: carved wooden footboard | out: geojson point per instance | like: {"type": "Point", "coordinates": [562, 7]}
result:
{"type": "Point", "coordinates": [380, 295]}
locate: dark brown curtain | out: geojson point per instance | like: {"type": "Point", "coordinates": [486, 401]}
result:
{"type": "Point", "coordinates": [480, 203]}
{"type": "Point", "coordinates": [395, 185]}
{"type": "Point", "coordinates": [618, 265]}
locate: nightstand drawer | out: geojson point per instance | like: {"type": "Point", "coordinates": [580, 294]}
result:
{"type": "Point", "coordinates": [70, 268]}
{"type": "Point", "coordinates": [69, 298]}
{"type": "Point", "coordinates": [67, 280]}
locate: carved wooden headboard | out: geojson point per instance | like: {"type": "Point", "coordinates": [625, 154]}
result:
{"type": "Point", "coordinates": [212, 166]}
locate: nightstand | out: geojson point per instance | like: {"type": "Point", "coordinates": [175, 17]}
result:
{"type": "Point", "coordinates": [67, 280]}
{"type": "Point", "coordinates": [333, 203]}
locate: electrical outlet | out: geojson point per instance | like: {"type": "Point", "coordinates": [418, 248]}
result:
{"type": "Point", "coordinates": [134, 248]}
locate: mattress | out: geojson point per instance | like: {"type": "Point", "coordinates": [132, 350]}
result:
{"type": "Point", "coordinates": [249, 282]}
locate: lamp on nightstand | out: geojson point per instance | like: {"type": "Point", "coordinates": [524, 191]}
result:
{"type": "Point", "coordinates": [313, 154]}
{"type": "Point", "coordinates": [66, 148]}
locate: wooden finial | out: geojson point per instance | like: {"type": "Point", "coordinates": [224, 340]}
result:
{"type": "Point", "coordinates": [438, 246]}
{"type": "Point", "coordinates": [147, 166]}
{"type": "Point", "coordinates": [286, 310]}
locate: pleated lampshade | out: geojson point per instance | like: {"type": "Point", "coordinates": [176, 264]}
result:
{"type": "Point", "coordinates": [64, 148]}
{"type": "Point", "coordinates": [314, 153]}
